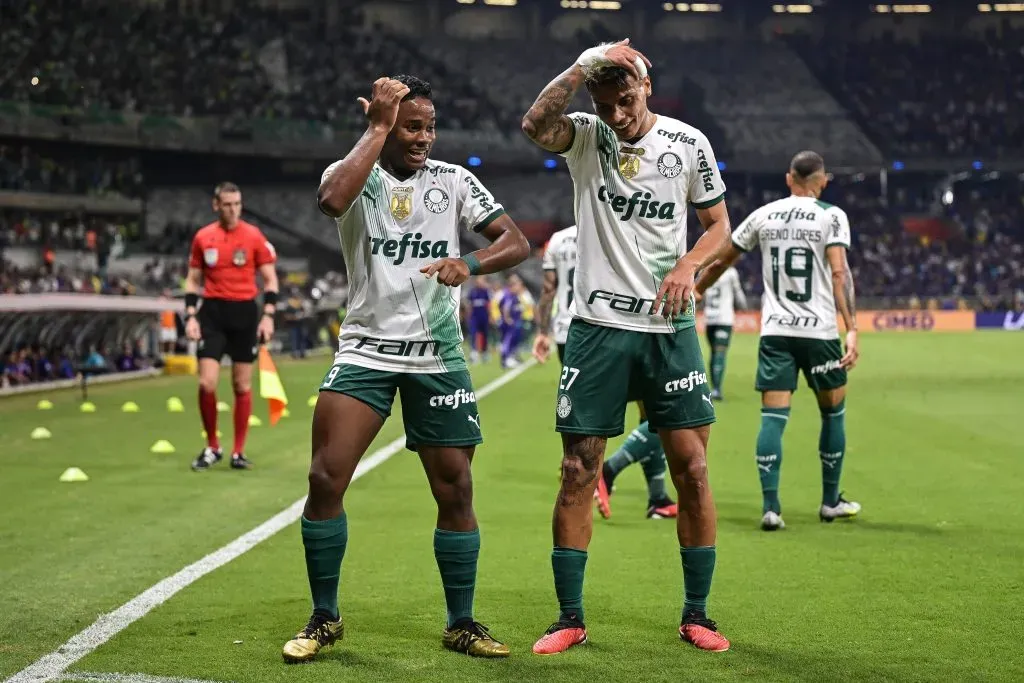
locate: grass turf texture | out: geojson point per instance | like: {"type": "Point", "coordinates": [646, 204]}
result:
{"type": "Point", "coordinates": [926, 585]}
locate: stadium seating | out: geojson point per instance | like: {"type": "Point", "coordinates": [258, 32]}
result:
{"type": "Point", "coordinates": [940, 96]}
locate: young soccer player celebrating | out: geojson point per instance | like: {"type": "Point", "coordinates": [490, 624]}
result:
{"type": "Point", "coordinates": [399, 215]}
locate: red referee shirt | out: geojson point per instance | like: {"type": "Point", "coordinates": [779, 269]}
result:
{"type": "Point", "coordinates": [229, 258]}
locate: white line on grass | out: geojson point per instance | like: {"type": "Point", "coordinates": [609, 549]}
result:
{"type": "Point", "coordinates": [106, 626]}
{"type": "Point", "coordinates": [89, 677]}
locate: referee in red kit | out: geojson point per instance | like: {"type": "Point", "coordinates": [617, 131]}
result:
{"type": "Point", "coordinates": [224, 258]}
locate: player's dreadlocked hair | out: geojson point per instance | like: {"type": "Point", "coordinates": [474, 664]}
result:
{"type": "Point", "coordinates": [417, 87]}
{"type": "Point", "coordinates": [805, 164]}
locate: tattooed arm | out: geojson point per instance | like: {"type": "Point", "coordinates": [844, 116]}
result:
{"type": "Point", "coordinates": [843, 293]}
{"type": "Point", "coordinates": [546, 123]}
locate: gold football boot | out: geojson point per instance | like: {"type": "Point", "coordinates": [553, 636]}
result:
{"type": "Point", "coordinates": [472, 638]}
{"type": "Point", "coordinates": [318, 633]}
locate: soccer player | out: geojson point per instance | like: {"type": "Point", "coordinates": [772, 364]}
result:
{"type": "Point", "coordinates": [719, 314]}
{"type": "Point", "coordinates": [560, 259]}
{"type": "Point", "coordinates": [633, 334]}
{"type": "Point", "coordinates": [399, 215]}
{"type": "Point", "coordinates": [225, 257]}
{"type": "Point", "coordinates": [479, 319]}
{"type": "Point", "coordinates": [806, 280]}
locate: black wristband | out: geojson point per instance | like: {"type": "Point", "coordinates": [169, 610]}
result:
{"type": "Point", "coordinates": [270, 298]}
{"type": "Point", "coordinates": [191, 300]}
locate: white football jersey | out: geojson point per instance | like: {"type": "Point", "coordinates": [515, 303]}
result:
{"type": "Point", "coordinates": [398, 320]}
{"type": "Point", "coordinates": [560, 256]}
{"type": "Point", "coordinates": [720, 299]}
{"type": "Point", "coordinates": [631, 204]}
{"type": "Point", "coordinates": [793, 234]}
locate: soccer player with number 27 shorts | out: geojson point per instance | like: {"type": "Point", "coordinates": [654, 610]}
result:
{"type": "Point", "coordinates": [399, 215]}
{"type": "Point", "coordinates": [225, 257]}
{"type": "Point", "coordinates": [633, 334]}
{"type": "Point", "coordinates": [560, 260]}
{"type": "Point", "coordinates": [807, 284]}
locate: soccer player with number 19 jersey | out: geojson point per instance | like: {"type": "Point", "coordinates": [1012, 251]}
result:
{"type": "Point", "coordinates": [633, 334]}
{"type": "Point", "coordinates": [807, 282]}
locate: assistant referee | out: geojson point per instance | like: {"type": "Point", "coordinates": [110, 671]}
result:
{"type": "Point", "coordinates": [224, 258]}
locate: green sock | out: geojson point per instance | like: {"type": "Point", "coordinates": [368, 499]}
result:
{"type": "Point", "coordinates": [698, 568]}
{"type": "Point", "coordinates": [717, 368]}
{"type": "Point", "coordinates": [831, 449]}
{"type": "Point", "coordinates": [569, 566]}
{"type": "Point", "coordinates": [769, 455]}
{"type": "Point", "coordinates": [654, 465]}
{"type": "Point", "coordinates": [645, 448]}
{"type": "Point", "coordinates": [457, 553]}
{"type": "Point", "coordinates": [325, 543]}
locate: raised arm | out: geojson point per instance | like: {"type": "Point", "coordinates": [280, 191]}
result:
{"type": "Point", "coordinates": [843, 293]}
{"type": "Point", "coordinates": [346, 179]}
{"type": "Point", "coordinates": [546, 123]}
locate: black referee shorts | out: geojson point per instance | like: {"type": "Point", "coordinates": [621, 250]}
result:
{"type": "Point", "coordinates": [228, 327]}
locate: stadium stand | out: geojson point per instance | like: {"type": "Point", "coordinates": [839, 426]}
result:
{"type": "Point", "coordinates": [940, 96]}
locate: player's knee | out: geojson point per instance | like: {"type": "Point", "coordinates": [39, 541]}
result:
{"type": "Point", "coordinates": [577, 471]}
{"type": "Point", "coordinates": [208, 383]}
{"type": "Point", "coordinates": [453, 492]}
{"type": "Point", "coordinates": [241, 386]}
{"type": "Point", "coordinates": [322, 484]}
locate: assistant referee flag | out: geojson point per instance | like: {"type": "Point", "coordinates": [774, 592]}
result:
{"type": "Point", "coordinates": [271, 387]}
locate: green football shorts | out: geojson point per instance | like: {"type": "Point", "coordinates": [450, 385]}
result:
{"type": "Point", "coordinates": [438, 409]}
{"type": "Point", "coordinates": [780, 360]}
{"type": "Point", "coordinates": [606, 367]}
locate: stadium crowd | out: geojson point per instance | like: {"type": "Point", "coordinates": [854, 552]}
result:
{"type": "Point", "coordinates": [939, 96]}
{"type": "Point", "coordinates": [24, 169]}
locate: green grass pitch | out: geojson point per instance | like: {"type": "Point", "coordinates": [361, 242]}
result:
{"type": "Point", "coordinates": [927, 585]}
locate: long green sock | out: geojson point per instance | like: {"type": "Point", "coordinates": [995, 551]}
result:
{"type": "Point", "coordinates": [698, 569]}
{"type": "Point", "coordinates": [769, 455]}
{"type": "Point", "coordinates": [324, 542]}
{"type": "Point", "coordinates": [717, 368]}
{"type": "Point", "coordinates": [569, 566]}
{"type": "Point", "coordinates": [645, 448]}
{"type": "Point", "coordinates": [831, 449]}
{"type": "Point", "coordinates": [457, 553]}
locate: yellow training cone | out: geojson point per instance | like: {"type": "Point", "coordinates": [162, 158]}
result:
{"type": "Point", "coordinates": [222, 407]}
{"type": "Point", "coordinates": [130, 407]}
{"type": "Point", "coordinates": [255, 421]}
{"type": "Point", "coordinates": [44, 405]}
{"type": "Point", "coordinates": [162, 446]}
{"type": "Point", "coordinates": [203, 434]}
{"type": "Point", "coordinates": [87, 407]}
{"type": "Point", "coordinates": [174, 405]}
{"type": "Point", "coordinates": [41, 433]}
{"type": "Point", "coordinates": [74, 474]}
{"type": "Point", "coordinates": [286, 413]}
{"type": "Point", "coordinates": [311, 402]}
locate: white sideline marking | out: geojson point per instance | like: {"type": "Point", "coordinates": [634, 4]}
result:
{"type": "Point", "coordinates": [106, 626]}
{"type": "Point", "coordinates": [89, 677]}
